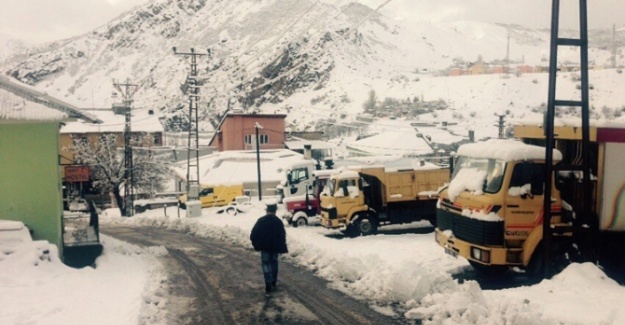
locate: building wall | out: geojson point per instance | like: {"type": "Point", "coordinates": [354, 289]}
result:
{"type": "Point", "coordinates": [235, 127]}
{"type": "Point", "coordinates": [31, 179]}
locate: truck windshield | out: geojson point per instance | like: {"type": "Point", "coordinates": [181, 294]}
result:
{"type": "Point", "coordinates": [328, 189]}
{"type": "Point", "coordinates": [298, 174]}
{"type": "Point", "coordinates": [493, 168]}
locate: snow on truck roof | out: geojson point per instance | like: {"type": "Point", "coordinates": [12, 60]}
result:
{"type": "Point", "coordinates": [324, 172]}
{"type": "Point", "coordinates": [349, 174]}
{"type": "Point", "coordinates": [506, 150]}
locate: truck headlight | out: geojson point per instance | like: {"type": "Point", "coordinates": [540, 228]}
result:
{"type": "Point", "coordinates": [480, 255]}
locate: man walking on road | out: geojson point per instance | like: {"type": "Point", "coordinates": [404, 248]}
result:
{"type": "Point", "coordinates": [269, 237]}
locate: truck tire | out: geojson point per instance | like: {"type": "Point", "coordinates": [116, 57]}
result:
{"type": "Point", "coordinates": [365, 226]}
{"type": "Point", "coordinates": [232, 211]}
{"type": "Point", "coordinates": [299, 219]}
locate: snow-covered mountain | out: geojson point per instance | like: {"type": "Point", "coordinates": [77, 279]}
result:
{"type": "Point", "coordinates": [314, 60]}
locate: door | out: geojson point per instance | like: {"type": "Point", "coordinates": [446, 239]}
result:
{"type": "Point", "coordinates": [523, 211]}
{"type": "Point", "coordinates": [346, 196]}
{"type": "Point", "coordinates": [208, 197]}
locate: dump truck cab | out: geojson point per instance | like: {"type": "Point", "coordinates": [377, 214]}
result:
{"type": "Point", "coordinates": [492, 211]}
{"type": "Point", "coordinates": [342, 200]}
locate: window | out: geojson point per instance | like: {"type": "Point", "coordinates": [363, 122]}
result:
{"type": "Point", "coordinates": [525, 172]}
{"type": "Point", "coordinates": [206, 191]}
{"type": "Point", "coordinates": [157, 139]}
{"type": "Point", "coordinates": [347, 187]}
{"type": "Point", "coordinates": [299, 174]}
{"type": "Point", "coordinates": [250, 138]}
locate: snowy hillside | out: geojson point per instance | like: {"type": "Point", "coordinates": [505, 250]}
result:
{"type": "Point", "coordinates": [314, 61]}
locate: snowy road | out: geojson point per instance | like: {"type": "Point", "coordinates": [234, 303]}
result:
{"type": "Point", "coordinates": [214, 282]}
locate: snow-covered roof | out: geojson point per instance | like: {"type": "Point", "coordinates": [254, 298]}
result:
{"type": "Point", "coordinates": [28, 93]}
{"type": "Point", "coordinates": [141, 121]}
{"type": "Point", "coordinates": [229, 167]}
{"type": "Point", "coordinates": [393, 143]}
{"type": "Point", "coordinates": [506, 150]}
{"type": "Point", "coordinates": [349, 174]}
{"type": "Point", "coordinates": [14, 107]}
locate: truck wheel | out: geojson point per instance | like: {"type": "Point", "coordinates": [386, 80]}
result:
{"type": "Point", "coordinates": [365, 227]}
{"type": "Point", "coordinates": [231, 211]}
{"type": "Point", "coordinates": [299, 219]}
{"type": "Point", "coordinates": [300, 222]}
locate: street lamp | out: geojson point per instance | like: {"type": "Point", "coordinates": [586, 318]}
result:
{"type": "Point", "coordinates": [260, 195]}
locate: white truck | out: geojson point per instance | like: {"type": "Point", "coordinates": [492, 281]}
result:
{"type": "Point", "coordinates": [302, 210]}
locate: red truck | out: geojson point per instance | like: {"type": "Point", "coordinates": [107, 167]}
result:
{"type": "Point", "coordinates": [302, 210]}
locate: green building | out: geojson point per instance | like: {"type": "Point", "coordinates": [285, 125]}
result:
{"type": "Point", "coordinates": [30, 178]}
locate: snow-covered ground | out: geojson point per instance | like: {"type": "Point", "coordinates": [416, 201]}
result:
{"type": "Point", "coordinates": [126, 286]}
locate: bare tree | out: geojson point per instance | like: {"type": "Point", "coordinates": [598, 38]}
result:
{"type": "Point", "coordinates": [108, 172]}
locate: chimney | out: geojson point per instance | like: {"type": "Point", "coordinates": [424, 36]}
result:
{"type": "Point", "coordinates": [471, 136]}
{"type": "Point", "coordinates": [307, 151]}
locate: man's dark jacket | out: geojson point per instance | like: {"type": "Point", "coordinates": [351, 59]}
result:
{"type": "Point", "coordinates": [269, 235]}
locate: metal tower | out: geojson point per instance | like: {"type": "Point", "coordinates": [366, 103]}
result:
{"type": "Point", "coordinates": [127, 90]}
{"type": "Point", "coordinates": [193, 90]}
{"type": "Point", "coordinates": [552, 104]}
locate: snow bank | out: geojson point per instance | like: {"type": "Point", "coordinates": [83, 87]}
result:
{"type": "Point", "coordinates": [37, 288]}
{"type": "Point", "coordinates": [410, 273]}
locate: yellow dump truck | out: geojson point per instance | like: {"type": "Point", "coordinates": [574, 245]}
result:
{"type": "Point", "coordinates": [359, 200]}
{"type": "Point", "coordinates": [215, 195]}
{"type": "Point", "coordinates": [492, 211]}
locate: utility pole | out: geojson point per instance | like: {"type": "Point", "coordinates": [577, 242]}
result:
{"type": "Point", "coordinates": [501, 125]}
{"type": "Point", "coordinates": [127, 90]}
{"type": "Point", "coordinates": [613, 57]}
{"type": "Point", "coordinates": [193, 155]}
{"type": "Point", "coordinates": [260, 192]}
{"type": "Point", "coordinates": [507, 67]}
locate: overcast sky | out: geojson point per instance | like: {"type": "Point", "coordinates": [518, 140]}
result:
{"type": "Point", "coordinates": [46, 20]}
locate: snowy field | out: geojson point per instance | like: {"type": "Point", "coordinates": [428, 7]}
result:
{"type": "Point", "coordinates": [409, 269]}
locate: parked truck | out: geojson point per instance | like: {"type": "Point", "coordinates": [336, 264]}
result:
{"type": "Point", "coordinates": [302, 210]}
{"type": "Point", "coordinates": [358, 200]}
{"type": "Point", "coordinates": [298, 179]}
{"type": "Point", "coordinates": [492, 211]}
